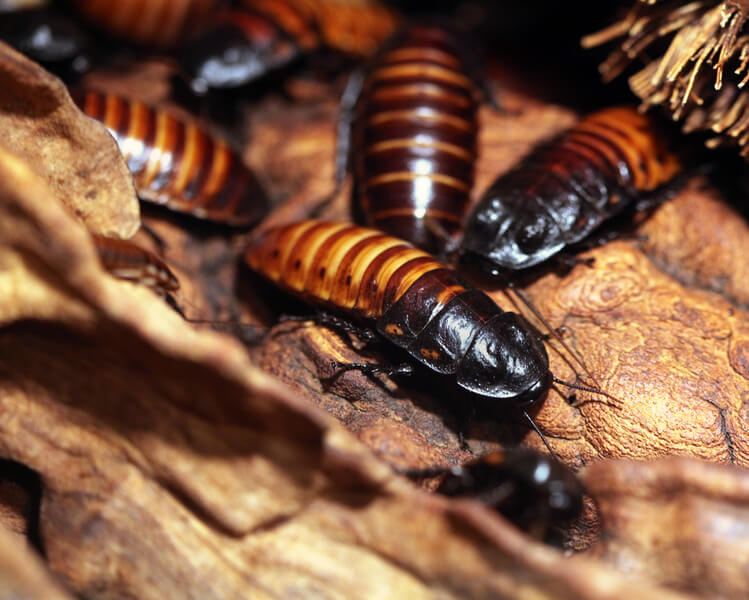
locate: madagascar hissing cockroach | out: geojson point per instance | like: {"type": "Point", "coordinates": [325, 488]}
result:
{"type": "Point", "coordinates": [177, 163]}
{"type": "Point", "coordinates": [256, 37]}
{"type": "Point", "coordinates": [610, 160]}
{"type": "Point", "coordinates": [531, 489]}
{"type": "Point", "coordinates": [240, 46]}
{"type": "Point", "coordinates": [159, 23]}
{"type": "Point", "coordinates": [125, 260]}
{"type": "Point", "coordinates": [409, 129]}
{"type": "Point", "coordinates": [410, 299]}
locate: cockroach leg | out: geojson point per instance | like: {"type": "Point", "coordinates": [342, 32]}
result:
{"type": "Point", "coordinates": [336, 323]}
{"type": "Point", "coordinates": [371, 368]}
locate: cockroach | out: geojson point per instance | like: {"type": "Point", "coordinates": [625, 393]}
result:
{"type": "Point", "coordinates": [125, 260]}
{"type": "Point", "coordinates": [177, 163]}
{"type": "Point", "coordinates": [531, 489]}
{"type": "Point", "coordinates": [411, 300]}
{"type": "Point", "coordinates": [158, 23]}
{"type": "Point", "coordinates": [610, 160]}
{"type": "Point", "coordinates": [239, 47]}
{"type": "Point", "coordinates": [256, 37]}
{"type": "Point", "coordinates": [413, 137]}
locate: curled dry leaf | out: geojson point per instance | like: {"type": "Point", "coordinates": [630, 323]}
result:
{"type": "Point", "coordinates": [680, 522]}
{"type": "Point", "coordinates": [22, 574]}
{"type": "Point", "coordinates": [172, 467]}
{"type": "Point", "coordinates": [76, 156]}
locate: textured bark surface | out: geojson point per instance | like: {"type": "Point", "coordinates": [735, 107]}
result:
{"type": "Point", "coordinates": [174, 462]}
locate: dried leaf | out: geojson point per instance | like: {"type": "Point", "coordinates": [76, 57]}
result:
{"type": "Point", "coordinates": [22, 574]}
{"type": "Point", "coordinates": [680, 522]}
{"type": "Point", "coordinates": [76, 156]}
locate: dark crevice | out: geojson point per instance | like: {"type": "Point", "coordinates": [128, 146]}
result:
{"type": "Point", "coordinates": [21, 492]}
{"type": "Point", "coordinates": [724, 430]}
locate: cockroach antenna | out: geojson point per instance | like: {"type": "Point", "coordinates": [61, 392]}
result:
{"type": "Point", "coordinates": [541, 435]}
{"type": "Point", "coordinates": [584, 388]}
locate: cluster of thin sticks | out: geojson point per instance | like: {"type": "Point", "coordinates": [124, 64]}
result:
{"type": "Point", "coordinates": [687, 40]}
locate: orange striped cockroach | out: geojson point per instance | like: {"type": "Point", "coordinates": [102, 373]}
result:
{"type": "Point", "coordinates": [610, 160]}
{"type": "Point", "coordinates": [355, 27]}
{"type": "Point", "coordinates": [408, 128]}
{"type": "Point", "coordinates": [159, 23]}
{"type": "Point", "coordinates": [177, 163]}
{"type": "Point", "coordinates": [411, 300]}
{"type": "Point", "coordinates": [125, 260]}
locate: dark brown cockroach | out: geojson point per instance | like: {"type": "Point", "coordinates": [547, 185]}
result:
{"type": "Point", "coordinates": [125, 260]}
{"type": "Point", "coordinates": [612, 159]}
{"type": "Point", "coordinates": [410, 299]}
{"type": "Point", "coordinates": [413, 136]}
{"type": "Point", "coordinates": [177, 163]}
{"type": "Point", "coordinates": [531, 489]}
{"type": "Point", "coordinates": [256, 37]}
{"type": "Point", "coordinates": [159, 23]}
{"type": "Point", "coordinates": [239, 47]}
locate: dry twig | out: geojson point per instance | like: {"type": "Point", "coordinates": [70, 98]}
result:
{"type": "Point", "coordinates": [686, 38]}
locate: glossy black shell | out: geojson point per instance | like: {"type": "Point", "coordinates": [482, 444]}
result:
{"type": "Point", "coordinates": [48, 37]}
{"type": "Point", "coordinates": [240, 48]}
{"type": "Point", "coordinates": [491, 352]}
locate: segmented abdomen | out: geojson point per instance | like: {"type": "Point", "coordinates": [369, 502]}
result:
{"type": "Point", "coordinates": [355, 27]}
{"type": "Point", "coordinates": [177, 163]}
{"type": "Point", "coordinates": [154, 22]}
{"type": "Point", "coordinates": [126, 260]}
{"type": "Point", "coordinates": [415, 138]}
{"type": "Point", "coordinates": [625, 145]}
{"type": "Point", "coordinates": [341, 266]}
